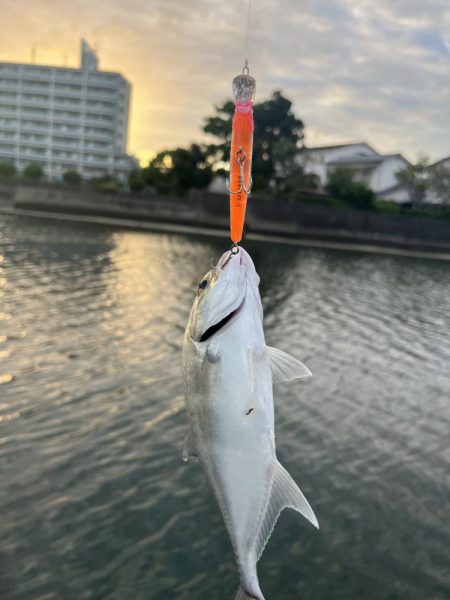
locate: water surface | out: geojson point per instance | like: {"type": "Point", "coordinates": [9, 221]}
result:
{"type": "Point", "coordinates": [95, 501]}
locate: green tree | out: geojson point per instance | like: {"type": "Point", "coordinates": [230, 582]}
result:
{"type": "Point", "coordinates": [277, 139]}
{"type": "Point", "coordinates": [297, 180]}
{"type": "Point", "coordinates": [72, 177]}
{"type": "Point", "coordinates": [439, 182]}
{"type": "Point", "coordinates": [7, 170]}
{"type": "Point", "coordinates": [415, 179]}
{"type": "Point", "coordinates": [179, 170]}
{"type": "Point", "coordinates": [105, 183]}
{"type": "Point", "coordinates": [136, 180]}
{"type": "Point", "coordinates": [33, 171]}
{"type": "Point", "coordinates": [341, 185]}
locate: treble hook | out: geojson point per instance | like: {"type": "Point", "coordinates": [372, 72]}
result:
{"type": "Point", "coordinates": [240, 157]}
{"type": "Point", "coordinates": [233, 251]}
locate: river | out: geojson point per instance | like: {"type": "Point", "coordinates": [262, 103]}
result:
{"type": "Point", "coordinates": [95, 501]}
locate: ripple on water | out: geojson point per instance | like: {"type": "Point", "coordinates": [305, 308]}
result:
{"type": "Point", "coordinates": [95, 500]}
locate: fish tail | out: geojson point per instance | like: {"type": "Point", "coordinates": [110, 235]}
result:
{"type": "Point", "coordinates": [243, 595]}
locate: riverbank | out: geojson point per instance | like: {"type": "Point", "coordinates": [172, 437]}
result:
{"type": "Point", "coordinates": [285, 222]}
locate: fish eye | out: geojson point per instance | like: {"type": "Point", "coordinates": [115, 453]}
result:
{"type": "Point", "coordinates": [203, 284]}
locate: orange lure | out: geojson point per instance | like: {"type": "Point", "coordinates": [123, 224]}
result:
{"type": "Point", "coordinates": [240, 183]}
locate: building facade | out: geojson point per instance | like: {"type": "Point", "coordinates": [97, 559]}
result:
{"type": "Point", "coordinates": [377, 171]}
{"type": "Point", "coordinates": [65, 119]}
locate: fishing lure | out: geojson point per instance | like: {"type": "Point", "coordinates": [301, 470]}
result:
{"type": "Point", "coordinates": [240, 183]}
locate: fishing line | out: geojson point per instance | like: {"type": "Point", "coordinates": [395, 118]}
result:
{"type": "Point", "coordinates": [248, 30]}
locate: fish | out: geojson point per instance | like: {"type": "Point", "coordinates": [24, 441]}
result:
{"type": "Point", "coordinates": [229, 373]}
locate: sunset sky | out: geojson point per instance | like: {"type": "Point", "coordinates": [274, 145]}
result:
{"type": "Point", "coordinates": [355, 69]}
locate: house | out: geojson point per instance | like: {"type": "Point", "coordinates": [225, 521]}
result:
{"type": "Point", "coordinates": [377, 171]}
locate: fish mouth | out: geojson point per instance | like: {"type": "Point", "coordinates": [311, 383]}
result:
{"type": "Point", "coordinates": [220, 325]}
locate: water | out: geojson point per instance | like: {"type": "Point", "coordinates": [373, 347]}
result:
{"type": "Point", "coordinates": [95, 501]}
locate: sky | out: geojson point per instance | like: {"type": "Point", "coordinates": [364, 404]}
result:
{"type": "Point", "coordinates": [356, 70]}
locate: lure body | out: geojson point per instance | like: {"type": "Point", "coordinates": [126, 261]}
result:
{"type": "Point", "coordinates": [241, 153]}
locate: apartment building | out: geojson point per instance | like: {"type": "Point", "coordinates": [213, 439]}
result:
{"type": "Point", "coordinates": [65, 119]}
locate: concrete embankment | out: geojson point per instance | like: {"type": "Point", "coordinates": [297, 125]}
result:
{"type": "Point", "coordinates": [289, 220]}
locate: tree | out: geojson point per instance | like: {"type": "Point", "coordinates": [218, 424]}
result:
{"type": "Point", "coordinates": [179, 170]}
{"type": "Point", "coordinates": [7, 170]}
{"type": "Point", "coordinates": [439, 182]}
{"type": "Point", "coordinates": [106, 183]}
{"type": "Point", "coordinates": [277, 138]}
{"type": "Point", "coordinates": [72, 177]}
{"type": "Point", "coordinates": [33, 171]}
{"type": "Point", "coordinates": [415, 179]}
{"type": "Point", "coordinates": [341, 185]}
{"type": "Point", "coordinates": [298, 180]}
{"type": "Point", "coordinates": [136, 180]}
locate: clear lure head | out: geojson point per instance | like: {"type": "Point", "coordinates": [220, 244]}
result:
{"type": "Point", "coordinates": [244, 87]}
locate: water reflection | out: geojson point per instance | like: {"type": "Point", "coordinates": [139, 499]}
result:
{"type": "Point", "coordinates": [95, 500]}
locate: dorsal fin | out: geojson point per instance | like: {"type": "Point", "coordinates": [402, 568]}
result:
{"type": "Point", "coordinates": [284, 494]}
{"type": "Point", "coordinates": [285, 367]}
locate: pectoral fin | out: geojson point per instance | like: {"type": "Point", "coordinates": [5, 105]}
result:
{"type": "Point", "coordinates": [189, 449]}
{"type": "Point", "coordinates": [285, 367]}
{"type": "Point", "coordinates": [284, 494]}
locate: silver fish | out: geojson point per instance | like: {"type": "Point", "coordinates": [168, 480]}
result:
{"type": "Point", "coordinates": [229, 372]}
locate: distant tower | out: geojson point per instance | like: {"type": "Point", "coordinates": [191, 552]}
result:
{"type": "Point", "coordinates": [89, 60]}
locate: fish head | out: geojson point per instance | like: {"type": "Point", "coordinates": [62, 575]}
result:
{"type": "Point", "coordinates": [221, 294]}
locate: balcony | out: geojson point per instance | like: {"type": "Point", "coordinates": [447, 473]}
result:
{"type": "Point", "coordinates": [66, 119]}
{"type": "Point", "coordinates": [59, 102]}
{"type": "Point", "coordinates": [61, 92]}
{"type": "Point", "coordinates": [35, 103]}
{"type": "Point", "coordinates": [33, 127]}
{"type": "Point", "coordinates": [8, 125]}
{"type": "Point", "coordinates": [98, 148]}
{"type": "Point", "coordinates": [10, 71]}
{"type": "Point", "coordinates": [8, 97]}
{"type": "Point", "coordinates": [67, 130]}
{"type": "Point", "coordinates": [9, 112]}
{"type": "Point", "coordinates": [9, 139]}
{"type": "Point", "coordinates": [99, 123]}
{"type": "Point", "coordinates": [6, 84]}
{"type": "Point", "coordinates": [35, 89]}
{"type": "Point", "coordinates": [98, 162]}
{"type": "Point", "coordinates": [69, 146]}
{"type": "Point", "coordinates": [37, 74]}
{"type": "Point", "coordinates": [93, 95]}
{"type": "Point", "coordinates": [102, 81]}
{"type": "Point", "coordinates": [27, 139]}
{"type": "Point", "coordinates": [5, 153]}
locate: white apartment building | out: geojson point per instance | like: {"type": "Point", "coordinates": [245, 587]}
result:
{"type": "Point", "coordinates": [65, 119]}
{"type": "Point", "coordinates": [376, 170]}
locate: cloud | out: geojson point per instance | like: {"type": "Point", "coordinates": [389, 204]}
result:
{"type": "Point", "coordinates": [354, 69]}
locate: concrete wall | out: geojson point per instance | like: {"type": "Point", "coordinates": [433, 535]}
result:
{"type": "Point", "coordinates": [211, 210]}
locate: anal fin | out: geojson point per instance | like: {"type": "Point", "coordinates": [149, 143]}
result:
{"type": "Point", "coordinates": [284, 494]}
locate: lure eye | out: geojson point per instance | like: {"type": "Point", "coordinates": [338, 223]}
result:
{"type": "Point", "coordinates": [203, 284]}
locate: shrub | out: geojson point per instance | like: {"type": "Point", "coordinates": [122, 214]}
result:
{"type": "Point", "coordinates": [342, 186]}
{"type": "Point", "coordinates": [107, 183]}
{"type": "Point", "coordinates": [72, 177]}
{"type": "Point", "coordinates": [7, 170]}
{"type": "Point", "coordinates": [136, 180]}
{"type": "Point", "coordinates": [33, 171]}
